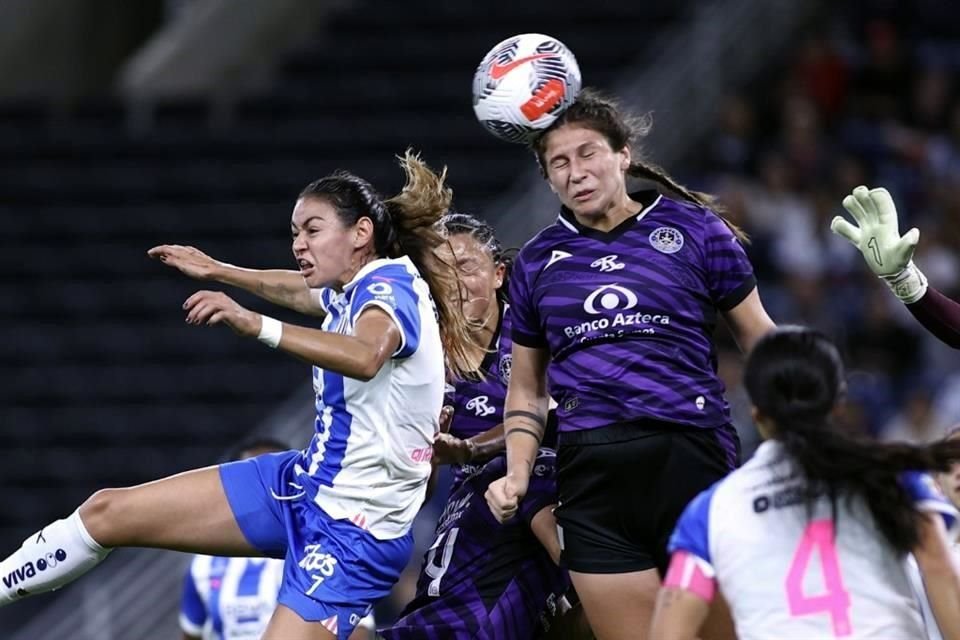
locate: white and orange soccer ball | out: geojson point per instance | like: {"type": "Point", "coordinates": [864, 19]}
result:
{"type": "Point", "coordinates": [523, 84]}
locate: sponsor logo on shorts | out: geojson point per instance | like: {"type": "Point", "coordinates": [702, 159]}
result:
{"type": "Point", "coordinates": [320, 565]}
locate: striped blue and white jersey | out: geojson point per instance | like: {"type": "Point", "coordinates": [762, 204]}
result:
{"type": "Point", "coordinates": [369, 459]}
{"type": "Point", "coordinates": [229, 598]}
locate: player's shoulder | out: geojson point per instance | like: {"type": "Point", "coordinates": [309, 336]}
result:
{"type": "Point", "coordinates": [543, 245]}
{"type": "Point", "coordinates": [382, 279]}
{"type": "Point", "coordinates": [767, 470]}
{"type": "Point", "coordinates": [681, 206]}
{"type": "Point", "coordinates": [691, 217]}
{"type": "Point", "coordinates": [397, 269]}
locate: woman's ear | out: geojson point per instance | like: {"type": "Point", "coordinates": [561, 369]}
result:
{"type": "Point", "coordinates": [498, 275]}
{"type": "Point", "coordinates": [626, 159]}
{"type": "Point", "coordinates": [362, 232]}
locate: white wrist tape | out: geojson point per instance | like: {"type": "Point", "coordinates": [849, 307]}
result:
{"type": "Point", "coordinates": [909, 285]}
{"type": "Point", "coordinates": [271, 330]}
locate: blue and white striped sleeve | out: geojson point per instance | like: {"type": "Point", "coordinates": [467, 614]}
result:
{"type": "Point", "coordinates": [691, 567]}
{"type": "Point", "coordinates": [391, 289]}
{"type": "Point", "coordinates": [323, 297]}
{"type": "Point", "coordinates": [193, 611]}
{"type": "Point", "coordinates": [692, 533]}
{"type": "Point", "coordinates": [928, 498]}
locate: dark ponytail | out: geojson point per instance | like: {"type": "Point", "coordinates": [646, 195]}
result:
{"type": "Point", "coordinates": [603, 115]}
{"type": "Point", "coordinates": [795, 378]}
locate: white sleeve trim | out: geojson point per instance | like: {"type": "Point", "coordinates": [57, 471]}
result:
{"type": "Point", "coordinates": [393, 316]}
{"type": "Point", "coordinates": [189, 627]}
{"type": "Point", "coordinates": [946, 510]}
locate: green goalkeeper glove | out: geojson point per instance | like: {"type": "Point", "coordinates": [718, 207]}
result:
{"type": "Point", "coordinates": [888, 254]}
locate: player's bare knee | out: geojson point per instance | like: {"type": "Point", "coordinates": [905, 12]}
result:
{"type": "Point", "coordinates": [102, 516]}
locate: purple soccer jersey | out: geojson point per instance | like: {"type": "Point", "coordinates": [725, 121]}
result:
{"type": "Point", "coordinates": [478, 403]}
{"type": "Point", "coordinates": [627, 315]}
{"type": "Point", "coordinates": [481, 579]}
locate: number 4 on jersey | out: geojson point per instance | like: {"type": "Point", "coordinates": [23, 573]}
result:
{"type": "Point", "coordinates": [835, 601]}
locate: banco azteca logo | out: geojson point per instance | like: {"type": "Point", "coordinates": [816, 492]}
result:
{"type": "Point", "coordinates": [610, 297]}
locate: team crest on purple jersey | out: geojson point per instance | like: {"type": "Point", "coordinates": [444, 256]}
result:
{"type": "Point", "coordinates": [666, 240]}
{"type": "Point", "coordinates": [628, 315]}
{"type": "Point", "coordinates": [506, 364]}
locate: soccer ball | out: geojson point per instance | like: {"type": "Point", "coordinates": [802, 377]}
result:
{"type": "Point", "coordinates": [523, 84]}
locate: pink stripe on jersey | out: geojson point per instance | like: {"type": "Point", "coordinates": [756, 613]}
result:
{"type": "Point", "coordinates": [691, 573]}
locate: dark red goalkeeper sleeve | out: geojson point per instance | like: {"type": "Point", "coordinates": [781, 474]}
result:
{"type": "Point", "coordinates": [940, 315]}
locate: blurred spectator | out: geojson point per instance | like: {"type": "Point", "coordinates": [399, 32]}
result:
{"type": "Point", "coordinates": [930, 100]}
{"type": "Point", "coordinates": [878, 86]}
{"type": "Point", "coordinates": [870, 98]}
{"type": "Point", "coordinates": [943, 152]}
{"type": "Point", "coordinates": [732, 147]}
{"type": "Point", "coordinates": [917, 422]}
{"type": "Point", "coordinates": [879, 344]}
{"type": "Point", "coordinates": [822, 74]}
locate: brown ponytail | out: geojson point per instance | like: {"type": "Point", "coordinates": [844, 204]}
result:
{"type": "Point", "coordinates": [414, 212]}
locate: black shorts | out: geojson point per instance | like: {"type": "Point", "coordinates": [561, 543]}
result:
{"type": "Point", "coordinates": [623, 487]}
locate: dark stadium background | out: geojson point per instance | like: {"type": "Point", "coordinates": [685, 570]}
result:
{"type": "Point", "coordinates": [124, 125]}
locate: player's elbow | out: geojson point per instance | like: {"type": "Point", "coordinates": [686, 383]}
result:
{"type": "Point", "coordinates": [363, 373]}
{"type": "Point", "coordinates": [368, 365]}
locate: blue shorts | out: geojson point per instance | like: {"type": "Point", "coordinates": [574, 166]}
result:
{"type": "Point", "coordinates": [334, 571]}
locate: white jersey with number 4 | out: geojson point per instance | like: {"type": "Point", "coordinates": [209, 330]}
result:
{"type": "Point", "coordinates": [793, 577]}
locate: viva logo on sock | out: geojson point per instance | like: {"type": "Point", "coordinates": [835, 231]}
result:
{"type": "Point", "coordinates": [30, 569]}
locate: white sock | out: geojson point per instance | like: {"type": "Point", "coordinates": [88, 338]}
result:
{"type": "Point", "coordinates": [54, 556]}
